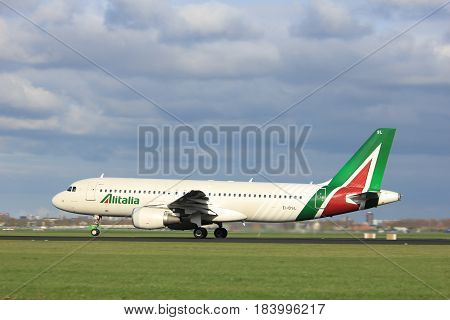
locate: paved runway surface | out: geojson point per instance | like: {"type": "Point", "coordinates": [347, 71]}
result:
{"type": "Point", "coordinates": [238, 240]}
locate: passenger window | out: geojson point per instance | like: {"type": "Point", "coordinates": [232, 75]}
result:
{"type": "Point", "coordinates": [264, 196]}
{"type": "Point", "coordinates": [290, 197]}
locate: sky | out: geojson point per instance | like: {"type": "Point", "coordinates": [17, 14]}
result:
{"type": "Point", "coordinates": [63, 119]}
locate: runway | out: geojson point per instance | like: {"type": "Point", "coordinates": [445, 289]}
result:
{"type": "Point", "coordinates": [406, 241]}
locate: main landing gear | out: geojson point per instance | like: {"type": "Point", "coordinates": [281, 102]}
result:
{"type": "Point", "coordinates": [220, 233]}
{"type": "Point", "coordinates": [95, 231]}
{"type": "Point", "coordinates": [202, 233]}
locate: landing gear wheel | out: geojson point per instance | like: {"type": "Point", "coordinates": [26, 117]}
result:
{"type": "Point", "coordinates": [200, 233]}
{"type": "Point", "coordinates": [220, 233]}
{"type": "Point", "coordinates": [95, 232]}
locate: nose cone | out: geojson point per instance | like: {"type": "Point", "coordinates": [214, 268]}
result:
{"type": "Point", "coordinates": [57, 201]}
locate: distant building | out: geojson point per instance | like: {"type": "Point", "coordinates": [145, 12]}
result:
{"type": "Point", "coordinates": [4, 215]}
{"type": "Point", "coordinates": [370, 218]}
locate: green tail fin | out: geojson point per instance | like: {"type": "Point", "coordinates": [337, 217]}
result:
{"type": "Point", "coordinates": [377, 147]}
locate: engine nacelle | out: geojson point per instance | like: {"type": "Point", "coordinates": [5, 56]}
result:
{"type": "Point", "coordinates": [153, 218]}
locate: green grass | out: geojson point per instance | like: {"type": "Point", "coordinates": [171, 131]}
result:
{"type": "Point", "coordinates": [169, 233]}
{"type": "Point", "coordinates": [136, 270]}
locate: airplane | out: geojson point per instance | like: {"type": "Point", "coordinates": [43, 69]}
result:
{"type": "Point", "coordinates": [194, 204]}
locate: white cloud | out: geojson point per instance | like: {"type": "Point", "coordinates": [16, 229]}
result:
{"type": "Point", "coordinates": [18, 92]}
{"type": "Point", "coordinates": [15, 46]}
{"type": "Point", "coordinates": [227, 59]}
{"type": "Point", "coordinates": [326, 19]}
{"type": "Point", "coordinates": [188, 22]}
{"type": "Point", "coordinates": [412, 3]}
{"type": "Point", "coordinates": [213, 19]}
{"type": "Point", "coordinates": [12, 123]}
{"type": "Point", "coordinates": [443, 51]}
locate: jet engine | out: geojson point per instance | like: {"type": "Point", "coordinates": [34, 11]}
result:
{"type": "Point", "coordinates": [153, 218]}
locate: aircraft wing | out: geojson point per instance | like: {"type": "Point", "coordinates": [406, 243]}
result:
{"type": "Point", "coordinates": [195, 204]}
{"type": "Point", "coordinates": [195, 201]}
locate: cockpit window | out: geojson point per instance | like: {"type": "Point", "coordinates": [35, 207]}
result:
{"type": "Point", "coordinates": [69, 189]}
{"type": "Point", "coordinates": [74, 189]}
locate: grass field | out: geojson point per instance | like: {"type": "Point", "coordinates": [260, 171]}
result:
{"type": "Point", "coordinates": [149, 270]}
{"type": "Point", "coordinates": [169, 233]}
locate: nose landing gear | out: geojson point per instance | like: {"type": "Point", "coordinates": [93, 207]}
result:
{"type": "Point", "coordinates": [95, 231]}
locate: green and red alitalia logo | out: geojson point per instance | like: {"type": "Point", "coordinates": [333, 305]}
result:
{"type": "Point", "coordinates": [109, 198]}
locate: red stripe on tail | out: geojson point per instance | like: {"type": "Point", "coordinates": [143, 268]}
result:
{"type": "Point", "coordinates": [338, 203]}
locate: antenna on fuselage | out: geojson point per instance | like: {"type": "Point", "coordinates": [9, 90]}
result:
{"type": "Point", "coordinates": [251, 180]}
{"type": "Point", "coordinates": [102, 175]}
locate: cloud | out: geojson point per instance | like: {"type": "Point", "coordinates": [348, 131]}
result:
{"type": "Point", "coordinates": [189, 22]}
{"type": "Point", "coordinates": [324, 19]}
{"type": "Point", "coordinates": [17, 92]}
{"type": "Point", "coordinates": [10, 123]}
{"type": "Point", "coordinates": [213, 20]}
{"type": "Point", "coordinates": [216, 63]}
{"type": "Point", "coordinates": [411, 3]}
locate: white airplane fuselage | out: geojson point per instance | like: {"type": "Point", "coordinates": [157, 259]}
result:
{"type": "Point", "coordinates": [258, 202]}
{"type": "Point", "coordinates": [190, 204]}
